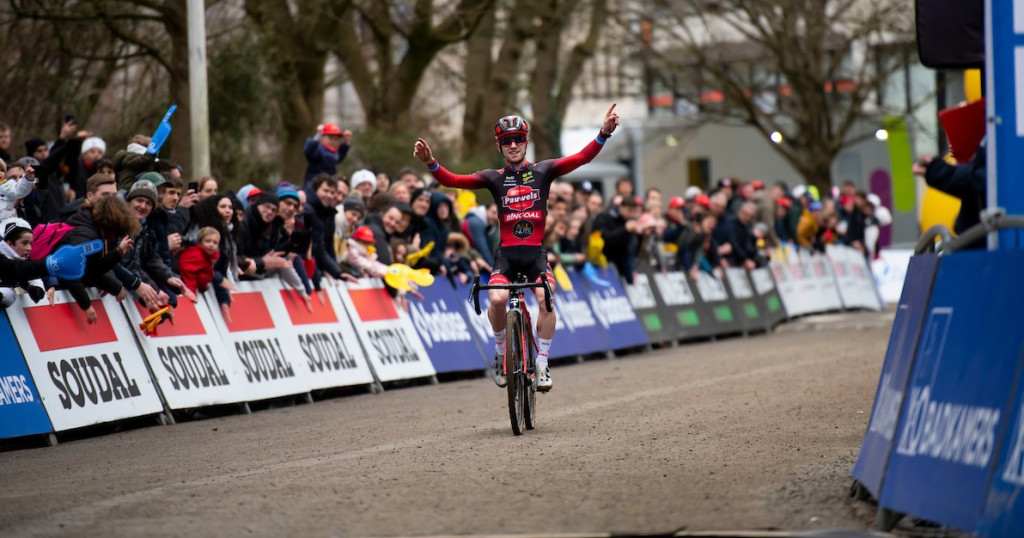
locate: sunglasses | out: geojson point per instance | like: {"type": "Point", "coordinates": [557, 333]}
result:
{"type": "Point", "coordinates": [507, 140]}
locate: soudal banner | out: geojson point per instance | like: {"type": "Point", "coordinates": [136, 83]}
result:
{"type": "Point", "coordinates": [188, 357]}
{"type": "Point", "coordinates": [715, 296]}
{"type": "Point", "coordinates": [86, 373]}
{"type": "Point", "coordinates": [445, 330]}
{"type": "Point", "coordinates": [648, 308]}
{"type": "Point", "coordinates": [685, 313]}
{"type": "Point", "coordinates": [21, 406]}
{"type": "Point", "coordinates": [957, 402]}
{"type": "Point", "coordinates": [321, 338]}
{"type": "Point", "coordinates": [892, 384]}
{"type": "Point", "coordinates": [854, 279]}
{"type": "Point", "coordinates": [265, 352]}
{"type": "Point", "coordinates": [389, 339]}
{"type": "Point", "coordinates": [609, 303]}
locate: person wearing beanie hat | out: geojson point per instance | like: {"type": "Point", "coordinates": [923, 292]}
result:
{"type": "Point", "coordinates": [263, 238]}
{"type": "Point", "coordinates": [364, 182]}
{"type": "Point", "coordinates": [325, 151]}
{"type": "Point", "coordinates": [19, 183]}
{"type": "Point", "coordinates": [94, 148]}
{"type": "Point", "coordinates": [145, 189]}
{"type": "Point", "coordinates": [15, 245]}
{"type": "Point", "coordinates": [38, 148]}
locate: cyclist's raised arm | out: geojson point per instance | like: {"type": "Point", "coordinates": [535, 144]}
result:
{"type": "Point", "coordinates": [564, 165]}
{"type": "Point", "coordinates": [460, 181]}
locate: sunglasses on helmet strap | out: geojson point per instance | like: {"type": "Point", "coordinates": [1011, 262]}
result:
{"type": "Point", "coordinates": [508, 139]}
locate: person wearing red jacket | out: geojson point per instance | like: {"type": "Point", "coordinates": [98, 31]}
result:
{"type": "Point", "coordinates": [196, 262]}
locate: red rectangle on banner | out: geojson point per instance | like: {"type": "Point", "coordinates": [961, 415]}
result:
{"type": "Point", "coordinates": [373, 304]}
{"type": "Point", "coordinates": [249, 312]}
{"type": "Point", "coordinates": [65, 326]}
{"type": "Point", "coordinates": [300, 315]}
{"type": "Point", "coordinates": [186, 320]}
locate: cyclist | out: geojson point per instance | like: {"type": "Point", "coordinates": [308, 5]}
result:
{"type": "Point", "coordinates": [521, 192]}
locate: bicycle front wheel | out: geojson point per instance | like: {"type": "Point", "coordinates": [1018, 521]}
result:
{"type": "Point", "coordinates": [530, 387]}
{"type": "Point", "coordinates": [514, 371]}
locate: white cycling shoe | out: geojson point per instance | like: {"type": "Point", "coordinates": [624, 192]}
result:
{"type": "Point", "coordinates": [499, 371]}
{"type": "Point", "coordinates": [543, 378]}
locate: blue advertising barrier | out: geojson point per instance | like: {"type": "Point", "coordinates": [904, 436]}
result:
{"type": "Point", "coordinates": [444, 328]}
{"type": "Point", "coordinates": [613, 310]}
{"type": "Point", "coordinates": [955, 411]}
{"type": "Point", "coordinates": [21, 409]}
{"type": "Point", "coordinates": [1004, 507]}
{"type": "Point", "coordinates": [578, 331]}
{"type": "Point", "coordinates": [892, 383]}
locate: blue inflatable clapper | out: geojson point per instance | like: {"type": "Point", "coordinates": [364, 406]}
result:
{"type": "Point", "coordinates": [162, 132]}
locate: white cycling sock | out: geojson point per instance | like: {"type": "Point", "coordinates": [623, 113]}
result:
{"type": "Point", "coordinates": [499, 342]}
{"type": "Point", "coordinates": [543, 346]}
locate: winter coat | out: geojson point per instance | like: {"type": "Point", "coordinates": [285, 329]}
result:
{"type": "Point", "coordinates": [196, 267]}
{"type": "Point", "coordinates": [98, 268]}
{"type": "Point", "coordinates": [320, 159]}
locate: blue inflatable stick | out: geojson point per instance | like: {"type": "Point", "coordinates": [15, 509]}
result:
{"type": "Point", "coordinates": [162, 132]}
{"type": "Point", "coordinates": [594, 276]}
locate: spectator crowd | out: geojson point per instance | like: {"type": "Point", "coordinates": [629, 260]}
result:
{"type": "Point", "coordinates": [167, 237]}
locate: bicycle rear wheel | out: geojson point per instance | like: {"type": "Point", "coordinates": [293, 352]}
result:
{"type": "Point", "coordinates": [514, 371]}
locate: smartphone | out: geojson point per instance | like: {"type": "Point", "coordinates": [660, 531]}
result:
{"type": "Point", "coordinates": [193, 186]}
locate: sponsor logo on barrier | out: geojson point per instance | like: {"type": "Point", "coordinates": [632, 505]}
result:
{"type": "Point", "coordinates": [191, 367]}
{"type": "Point", "coordinates": [480, 323]}
{"type": "Point", "coordinates": [887, 410]}
{"type": "Point", "coordinates": [84, 380]}
{"type": "Point", "coordinates": [393, 346]}
{"type": "Point", "coordinates": [574, 313]}
{"type": "Point", "coordinates": [640, 293]}
{"type": "Point", "coordinates": [674, 289]}
{"type": "Point", "coordinates": [1013, 473]}
{"type": "Point", "coordinates": [948, 431]}
{"type": "Point", "coordinates": [439, 324]}
{"type": "Point", "coordinates": [14, 389]}
{"type": "Point", "coordinates": [611, 308]}
{"type": "Point", "coordinates": [263, 360]}
{"type": "Point", "coordinates": [738, 283]}
{"type": "Point", "coordinates": [711, 289]}
{"type": "Point", "coordinates": [762, 278]}
{"type": "Point", "coordinates": [326, 351]}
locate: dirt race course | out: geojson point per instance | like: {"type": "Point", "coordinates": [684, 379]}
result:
{"type": "Point", "coordinates": [755, 433]}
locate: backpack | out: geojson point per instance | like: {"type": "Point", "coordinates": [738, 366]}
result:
{"type": "Point", "coordinates": [45, 237]}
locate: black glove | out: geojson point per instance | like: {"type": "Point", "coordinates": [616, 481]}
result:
{"type": "Point", "coordinates": [35, 293]}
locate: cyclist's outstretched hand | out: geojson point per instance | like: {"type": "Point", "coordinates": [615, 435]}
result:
{"type": "Point", "coordinates": [422, 151]}
{"type": "Point", "coordinates": [611, 121]}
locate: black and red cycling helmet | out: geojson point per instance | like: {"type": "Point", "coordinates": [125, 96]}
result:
{"type": "Point", "coordinates": [511, 124]}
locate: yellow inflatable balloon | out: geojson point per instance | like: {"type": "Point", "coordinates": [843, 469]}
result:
{"type": "Point", "coordinates": [562, 278]}
{"type": "Point", "coordinates": [464, 201]}
{"type": "Point", "coordinates": [595, 250]}
{"type": "Point", "coordinates": [938, 207]}
{"type": "Point", "coordinates": [401, 277]}
{"type": "Point", "coordinates": [413, 257]}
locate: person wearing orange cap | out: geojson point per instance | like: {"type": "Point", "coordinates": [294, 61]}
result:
{"type": "Point", "coordinates": [325, 151]}
{"type": "Point", "coordinates": [361, 254]}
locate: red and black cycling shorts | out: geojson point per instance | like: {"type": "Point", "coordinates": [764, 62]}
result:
{"type": "Point", "coordinates": [529, 261]}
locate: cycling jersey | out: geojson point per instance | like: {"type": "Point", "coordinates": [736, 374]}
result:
{"type": "Point", "coordinates": [521, 193]}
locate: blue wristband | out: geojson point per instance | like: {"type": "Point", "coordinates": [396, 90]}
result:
{"type": "Point", "coordinates": [434, 167]}
{"type": "Point", "coordinates": [600, 140]}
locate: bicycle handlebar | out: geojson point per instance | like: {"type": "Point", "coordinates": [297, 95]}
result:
{"type": "Point", "coordinates": [475, 295]}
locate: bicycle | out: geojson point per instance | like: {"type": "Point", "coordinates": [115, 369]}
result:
{"type": "Point", "coordinates": [520, 349]}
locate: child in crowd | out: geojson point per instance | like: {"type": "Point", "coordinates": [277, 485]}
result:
{"type": "Point", "coordinates": [16, 183]}
{"type": "Point", "coordinates": [196, 261]}
{"type": "Point", "coordinates": [456, 253]}
{"type": "Point", "coordinates": [16, 244]}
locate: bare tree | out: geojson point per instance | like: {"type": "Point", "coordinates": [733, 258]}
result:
{"type": "Point", "coordinates": [156, 29]}
{"type": "Point", "coordinates": [387, 46]}
{"type": "Point", "coordinates": [806, 69]}
{"type": "Point", "coordinates": [532, 41]}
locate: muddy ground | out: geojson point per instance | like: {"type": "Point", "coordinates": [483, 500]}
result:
{"type": "Point", "coordinates": [743, 433]}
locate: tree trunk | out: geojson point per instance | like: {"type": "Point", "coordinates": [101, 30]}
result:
{"type": "Point", "coordinates": [180, 141]}
{"type": "Point", "coordinates": [479, 65]}
{"type": "Point", "coordinates": [303, 111]}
